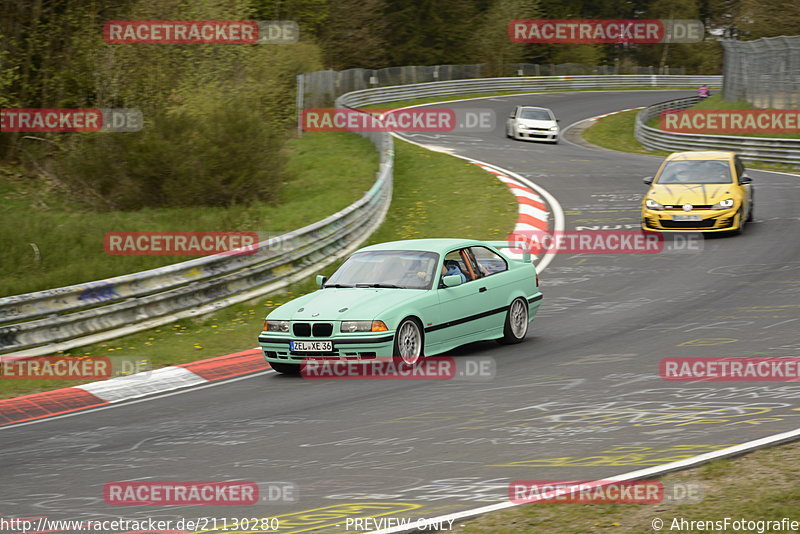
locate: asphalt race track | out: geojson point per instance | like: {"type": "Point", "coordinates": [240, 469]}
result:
{"type": "Point", "coordinates": [580, 399]}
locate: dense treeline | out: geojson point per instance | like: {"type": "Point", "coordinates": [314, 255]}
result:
{"type": "Point", "coordinates": [217, 116]}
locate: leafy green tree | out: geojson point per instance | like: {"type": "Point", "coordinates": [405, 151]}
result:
{"type": "Point", "coordinates": [355, 35]}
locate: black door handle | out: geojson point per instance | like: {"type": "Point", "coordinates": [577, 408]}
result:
{"type": "Point", "coordinates": [481, 290]}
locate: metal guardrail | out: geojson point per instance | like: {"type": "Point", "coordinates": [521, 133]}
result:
{"type": "Point", "coordinates": [58, 319]}
{"type": "Point", "coordinates": [379, 95]}
{"type": "Point", "coordinates": [125, 304]}
{"type": "Point", "coordinates": [765, 149]}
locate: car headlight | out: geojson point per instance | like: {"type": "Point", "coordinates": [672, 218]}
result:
{"type": "Point", "coordinates": [364, 326]}
{"type": "Point", "coordinates": [276, 326]}
{"type": "Point", "coordinates": [554, 128]}
{"type": "Point", "coordinates": [724, 204]}
{"type": "Point", "coordinates": [653, 205]}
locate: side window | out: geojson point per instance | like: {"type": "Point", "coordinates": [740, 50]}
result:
{"type": "Point", "coordinates": [513, 113]}
{"type": "Point", "coordinates": [489, 262]}
{"type": "Point", "coordinates": [456, 262]}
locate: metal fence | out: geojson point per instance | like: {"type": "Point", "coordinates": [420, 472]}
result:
{"type": "Point", "coordinates": [771, 150]}
{"type": "Point", "coordinates": [58, 319]}
{"type": "Point", "coordinates": [764, 72]}
{"type": "Point", "coordinates": [321, 88]}
{"type": "Point", "coordinates": [366, 97]}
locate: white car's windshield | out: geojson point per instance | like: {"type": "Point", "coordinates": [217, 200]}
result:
{"type": "Point", "coordinates": [387, 268]}
{"type": "Point", "coordinates": [535, 114]}
{"type": "Point", "coordinates": [695, 172]}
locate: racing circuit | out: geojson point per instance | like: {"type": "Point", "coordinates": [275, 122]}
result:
{"type": "Point", "coordinates": [580, 399]}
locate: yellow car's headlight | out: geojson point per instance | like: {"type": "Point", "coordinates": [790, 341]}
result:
{"type": "Point", "coordinates": [723, 204]}
{"type": "Point", "coordinates": [653, 205]}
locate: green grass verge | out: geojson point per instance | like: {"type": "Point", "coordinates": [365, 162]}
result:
{"type": "Point", "coordinates": [615, 132]}
{"type": "Point", "coordinates": [759, 486]}
{"type": "Point", "coordinates": [49, 243]}
{"type": "Point", "coordinates": [431, 191]}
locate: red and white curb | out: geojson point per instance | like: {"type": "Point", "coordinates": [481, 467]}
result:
{"type": "Point", "coordinates": [114, 390]}
{"type": "Point", "coordinates": [533, 213]}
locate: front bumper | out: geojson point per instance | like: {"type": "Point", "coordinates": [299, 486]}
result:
{"type": "Point", "coordinates": [712, 220]}
{"type": "Point", "coordinates": [536, 135]}
{"type": "Point", "coordinates": [366, 346]}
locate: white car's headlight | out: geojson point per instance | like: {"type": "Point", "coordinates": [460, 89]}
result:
{"type": "Point", "coordinates": [554, 128]}
{"type": "Point", "coordinates": [724, 204]}
{"type": "Point", "coordinates": [653, 205]}
{"type": "Point", "coordinates": [276, 326]}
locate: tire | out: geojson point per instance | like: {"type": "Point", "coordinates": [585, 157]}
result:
{"type": "Point", "coordinates": [409, 343]}
{"type": "Point", "coordinates": [752, 209]}
{"type": "Point", "coordinates": [292, 369]}
{"type": "Point", "coordinates": [738, 231]}
{"type": "Point", "coordinates": [516, 325]}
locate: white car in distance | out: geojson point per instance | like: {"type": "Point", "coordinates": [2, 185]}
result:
{"type": "Point", "coordinates": [529, 122]}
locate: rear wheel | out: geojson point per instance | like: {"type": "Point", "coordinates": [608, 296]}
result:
{"type": "Point", "coordinates": [516, 323]}
{"type": "Point", "coordinates": [286, 368]}
{"type": "Point", "coordinates": [408, 342]}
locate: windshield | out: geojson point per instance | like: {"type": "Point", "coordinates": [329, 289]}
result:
{"type": "Point", "coordinates": [535, 114]}
{"type": "Point", "coordinates": [403, 269]}
{"type": "Point", "coordinates": [696, 172]}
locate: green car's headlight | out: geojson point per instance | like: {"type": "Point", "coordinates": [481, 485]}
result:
{"type": "Point", "coordinates": [653, 205]}
{"type": "Point", "coordinates": [364, 326]}
{"type": "Point", "coordinates": [724, 204]}
{"type": "Point", "coordinates": [276, 326]}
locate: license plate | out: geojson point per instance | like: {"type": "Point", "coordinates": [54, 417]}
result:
{"type": "Point", "coordinates": [687, 217]}
{"type": "Point", "coordinates": [311, 346]}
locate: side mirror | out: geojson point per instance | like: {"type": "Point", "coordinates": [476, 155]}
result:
{"type": "Point", "coordinates": [558, 120]}
{"type": "Point", "coordinates": [744, 179]}
{"type": "Point", "coordinates": [452, 280]}
{"type": "Point", "coordinates": [647, 180]}
{"type": "Point", "coordinates": [321, 280]}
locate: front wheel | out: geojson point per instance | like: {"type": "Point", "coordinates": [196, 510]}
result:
{"type": "Point", "coordinates": [408, 342]}
{"type": "Point", "coordinates": [516, 323]}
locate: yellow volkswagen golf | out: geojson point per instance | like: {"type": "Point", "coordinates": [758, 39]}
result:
{"type": "Point", "coordinates": [698, 192]}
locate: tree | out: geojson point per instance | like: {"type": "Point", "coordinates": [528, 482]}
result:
{"type": "Point", "coordinates": [355, 35]}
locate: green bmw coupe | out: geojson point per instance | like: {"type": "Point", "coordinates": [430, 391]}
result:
{"type": "Point", "coordinates": [407, 300]}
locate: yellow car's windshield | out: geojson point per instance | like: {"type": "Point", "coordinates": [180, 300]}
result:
{"type": "Point", "coordinates": [695, 172]}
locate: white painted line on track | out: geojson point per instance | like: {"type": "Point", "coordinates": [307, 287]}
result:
{"type": "Point", "coordinates": [649, 472]}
